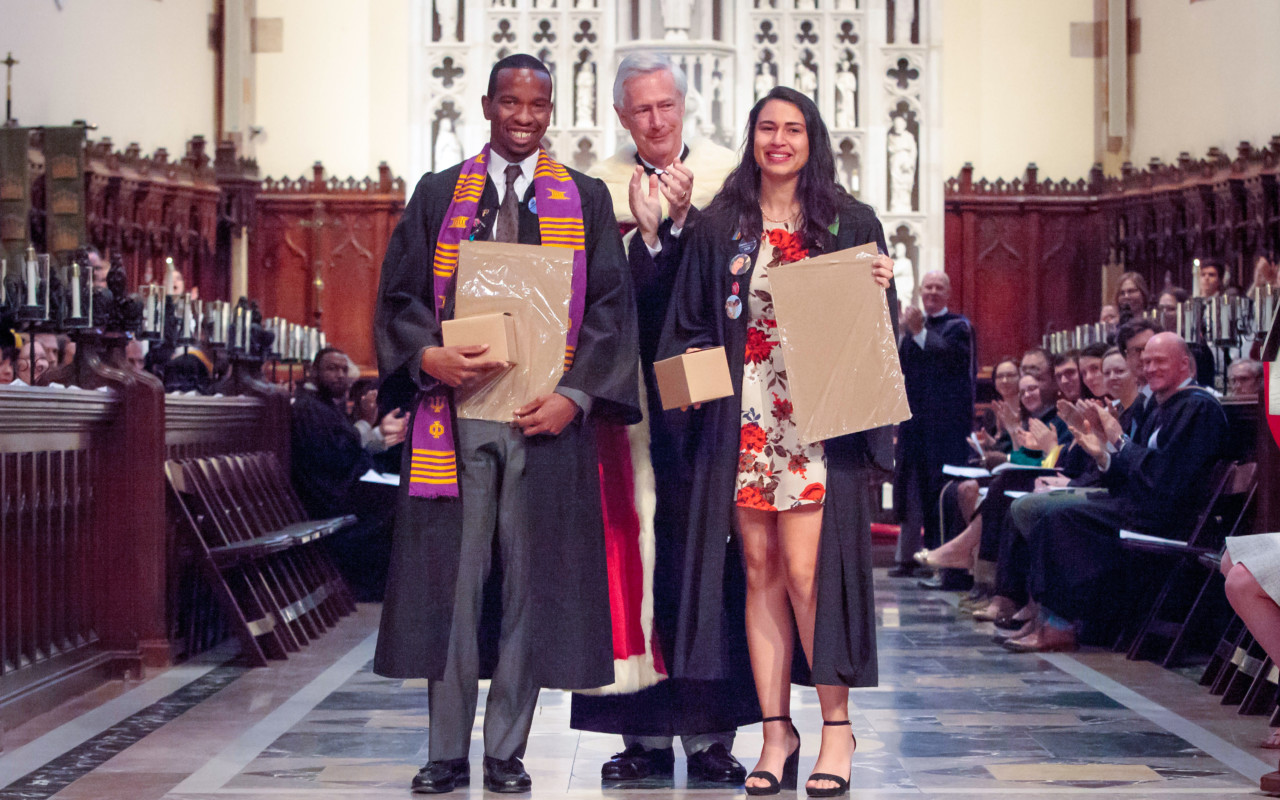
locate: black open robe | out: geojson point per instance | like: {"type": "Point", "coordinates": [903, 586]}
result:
{"type": "Point", "coordinates": [711, 629]}
{"type": "Point", "coordinates": [569, 602]}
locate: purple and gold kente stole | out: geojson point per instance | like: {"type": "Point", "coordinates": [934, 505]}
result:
{"type": "Point", "coordinates": [433, 469]}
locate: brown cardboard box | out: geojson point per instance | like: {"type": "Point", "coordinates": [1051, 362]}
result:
{"type": "Point", "coordinates": [843, 371]}
{"type": "Point", "coordinates": [497, 330]}
{"type": "Point", "coordinates": [693, 378]}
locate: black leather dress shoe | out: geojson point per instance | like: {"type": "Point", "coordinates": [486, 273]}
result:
{"type": "Point", "coordinates": [716, 765]}
{"type": "Point", "coordinates": [949, 580]}
{"type": "Point", "coordinates": [505, 775]}
{"type": "Point", "coordinates": [636, 764]}
{"type": "Point", "coordinates": [438, 777]}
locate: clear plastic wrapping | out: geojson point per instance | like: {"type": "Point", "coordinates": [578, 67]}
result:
{"type": "Point", "coordinates": [533, 284]}
{"type": "Point", "coordinates": [837, 341]}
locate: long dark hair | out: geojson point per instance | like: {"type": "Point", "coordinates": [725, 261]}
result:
{"type": "Point", "coordinates": [820, 195]}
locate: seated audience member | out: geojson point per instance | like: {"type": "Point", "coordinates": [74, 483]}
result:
{"type": "Point", "coordinates": [992, 435]}
{"type": "Point", "coordinates": [1131, 340]}
{"type": "Point", "coordinates": [32, 367]}
{"type": "Point", "coordinates": [135, 355]}
{"type": "Point", "coordinates": [1244, 379]}
{"type": "Point", "coordinates": [8, 364]}
{"type": "Point", "coordinates": [1123, 386]}
{"type": "Point", "coordinates": [1251, 565]}
{"type": "Point", "coordinates": [1152, 481]}
{"type": "Point", "coordinates": [1266, 272]}
{"type": "Point", "coordinates": [1039, 436]}
{"type": "Point", "coordinates": [1132, 296]}
{"type": "Point", "coordinates": [1066, 374]}
{"type": "Point", "coordinates": [1168, 302]}
{"type": "Point", "coordinates": [1110, 316]}
{"type": "Point", "coordinates": [328, 460]}
{"type": "Point", "coordinates": [189, 369]}
{"type": "Point", "coordinates": [1090, 362]}
{"type": "Point", "coordinates": [1212, 277]}
{"type": "Point", "coordinates": [66, 350]}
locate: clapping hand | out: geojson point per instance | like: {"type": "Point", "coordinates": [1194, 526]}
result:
{"type": "Point", "coordinates": [642, 196]}
{"type": "Point", "coordinates": [912, 318]}
{"type": "Point", "coordinates": [1101, 419]}
{"type": "Point", "coordinates": [1086, 437]}
{"type": "Point", "coordinates": [394, 427]}
{"type": "Point", "coordinates": [677, 187]}
{"type": "Point", "coordinates": [1042, 437]}
{"type": "Point", "coordinates": [1008, 416]}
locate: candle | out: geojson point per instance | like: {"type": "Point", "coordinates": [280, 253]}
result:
{"type": "Point", "coordinates": [75, 289]}
{"type": "Point", "coordinates": [4, 273]}
{"type": "Point", "coordinates": [31, 276]}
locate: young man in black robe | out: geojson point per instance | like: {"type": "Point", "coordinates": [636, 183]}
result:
{"type": "Point", "coordinates": [527, 517]}
{"type": "Point", "coordinates": [1153, 483]}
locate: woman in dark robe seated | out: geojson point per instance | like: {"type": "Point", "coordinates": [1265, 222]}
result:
{"type": "Point", "coordinates": [791, 500]}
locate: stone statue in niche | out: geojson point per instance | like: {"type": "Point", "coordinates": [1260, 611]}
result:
{"type": "Point", "coordinates": [447, 15]}
{"type": "Point", "coordinates": [764, 80]}
{"type": "Point", "coordinates": [903, 15]}
{"type": "Point", "coordinates": [717, 104]}
{"type": "Point", "coordinates": [846, 96]}
{"type": "Point", "coordinates": [448, 149]}
{"type": "Point", "coordinates": [677, 19]}
{"type": "Point", "coordinates": [807, 77]}
{"type": "Point", "coordinates": [584, 85]}
{"type": "Point", "coordinates": [903, 154]}
{"type": "Point", "coordinates": [904, 272]}
{"type": "Point", "coordinates": [849, 166]}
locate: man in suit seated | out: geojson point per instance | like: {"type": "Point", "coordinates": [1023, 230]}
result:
{"type": "Point", "coordinates": [1151, 482]}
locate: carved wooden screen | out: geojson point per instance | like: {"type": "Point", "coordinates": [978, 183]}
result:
{"type": "Point", "coordinates": [317, 253]}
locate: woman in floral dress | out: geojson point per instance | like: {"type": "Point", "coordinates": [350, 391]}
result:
{"type": "Point", "coordinates": [798, 510]}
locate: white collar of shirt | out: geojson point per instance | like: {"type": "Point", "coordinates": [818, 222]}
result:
{"type": "Point", "coordinates": [940, 313]}
{"type": "Point", "coordinates": [1146, 391]}
{"type": "Point", "coordinates": [663, 167]}
{"type": "Point", "coordinates": [497, 173]}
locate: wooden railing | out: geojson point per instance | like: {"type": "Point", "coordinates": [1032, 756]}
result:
{"type": "Point", "coordinates": [95, 581]}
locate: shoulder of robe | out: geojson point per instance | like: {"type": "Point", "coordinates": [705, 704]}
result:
{"type": "Point", "coordinates": [616, 172]}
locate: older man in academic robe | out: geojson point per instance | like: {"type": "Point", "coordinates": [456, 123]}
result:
{"type": "Point", "coordinates": [937, 356]}
{"type": "Point", "coordinates": [658, 183]}
{"type": "Point", "coordinates": [521, 510]}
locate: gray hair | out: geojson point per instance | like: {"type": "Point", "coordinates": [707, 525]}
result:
{"type": "Point", "coordinates": [643, 63]}
{"type": "Point", "coordinates": [1254, 368]}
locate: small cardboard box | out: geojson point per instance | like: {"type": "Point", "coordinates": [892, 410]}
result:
{"type": "Point", "coordinates": [497, 330]}
{"type": "Point", "coordinates": [693, 378]}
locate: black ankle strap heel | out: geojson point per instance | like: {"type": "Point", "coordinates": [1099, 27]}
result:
{"type": "Point", "coordinates": [790, 768]}
{"type": "Point", "coordinates": [841, 784]}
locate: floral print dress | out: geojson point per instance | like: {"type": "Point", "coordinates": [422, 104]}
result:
{"type": "Point", "coordinates": [775, 471]}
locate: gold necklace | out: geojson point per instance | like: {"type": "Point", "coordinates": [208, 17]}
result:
{"type": "Point", "coordinates": [786, 221]}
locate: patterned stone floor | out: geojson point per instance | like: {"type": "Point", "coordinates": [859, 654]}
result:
{"type": "Point", "coordinates": [954, 715]}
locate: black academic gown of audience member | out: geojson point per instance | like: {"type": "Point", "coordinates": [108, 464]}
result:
{"type": "Point", "coordinates": [710, 638]}
{"type": "Point", "coordinates": [1158, 490]}
{"type": "Point", "coordinates": [940, 382]}
{"type": "Point", "coordinates": [676, 706]}
{"type": "Point", "coordinates": [328, 460]}
{"type": "Point", "coordinates": [569, 603]}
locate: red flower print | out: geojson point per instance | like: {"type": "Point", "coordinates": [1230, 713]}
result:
{"type": "Point", "coordinates": [758, 346]}
{"type": "Point", "coordinates": [813, 493]}
{"type": "Point", "coordinates": [781, 408]}
{"type": "Point", "coordinates": [753, 438]}
{"type": "Point", "coordinates": [752, 497]}
{"type": "Point", "coordinates": [778, 237]}
{"type": "Point", "coordinates": [798, 463]}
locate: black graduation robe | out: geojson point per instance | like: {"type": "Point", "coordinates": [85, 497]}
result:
{"type": "Point", "coordinates": [1076, 554]}
{"type": "Point", "coordinates": [710, 636]}
{"type": "Point", "coordinates": [328, 458]}
{"type": "Point", "coordinates": [677, 706]}
{"type": "Point", "coordinates": [569, 600]}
